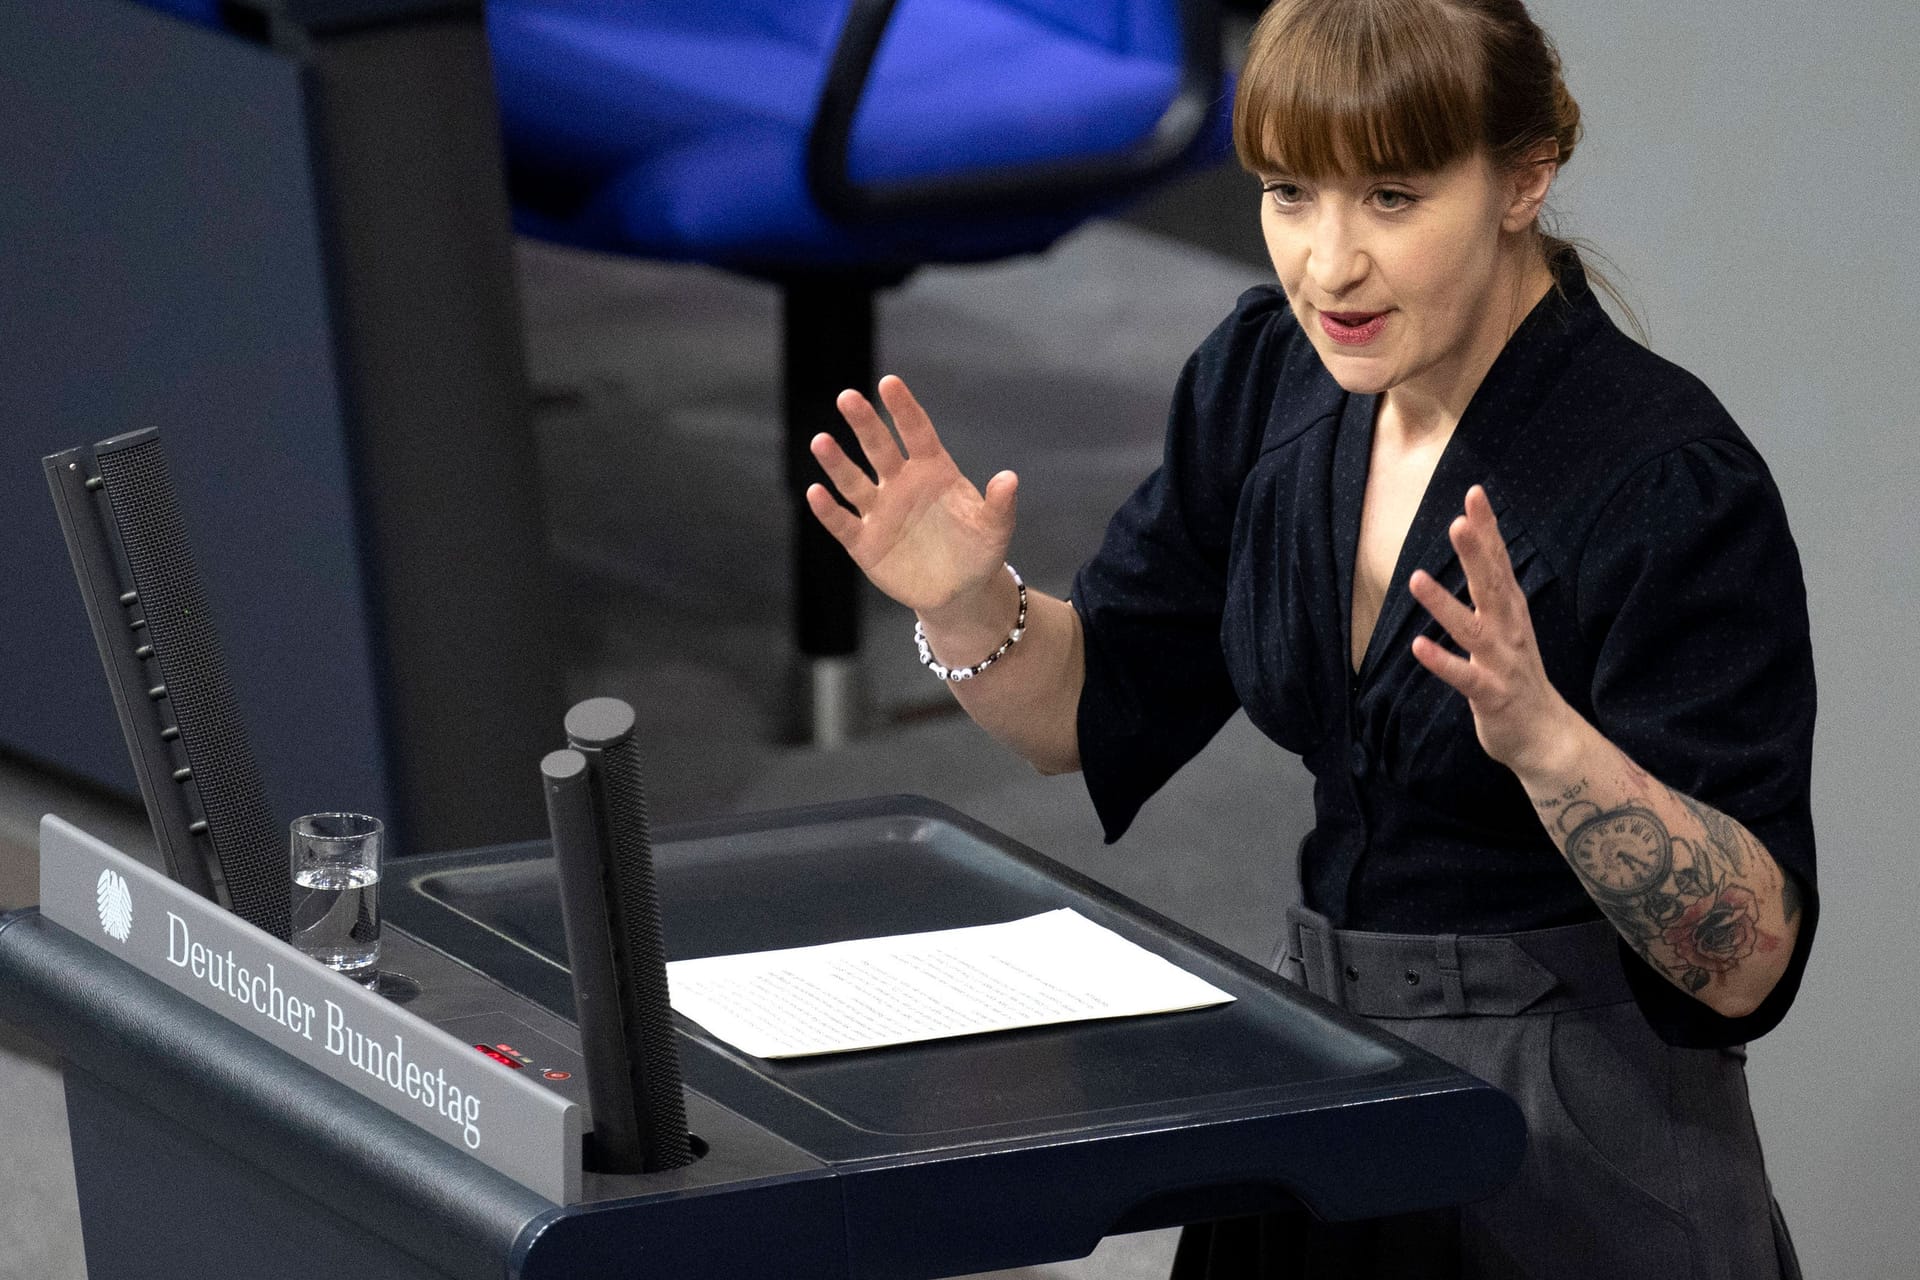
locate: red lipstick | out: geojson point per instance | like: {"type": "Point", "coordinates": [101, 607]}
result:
{"type": "Point", "coordinates": [1353, 328]}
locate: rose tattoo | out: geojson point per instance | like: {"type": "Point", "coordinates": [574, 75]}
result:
{"type": "Point", "coordinates": [1716, 933]}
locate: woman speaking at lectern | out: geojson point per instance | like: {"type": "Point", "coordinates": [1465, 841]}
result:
{"type": "Point", "coordinates": [1518, 590]}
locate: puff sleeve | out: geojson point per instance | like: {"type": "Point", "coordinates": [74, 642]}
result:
{"type": "Point", "coordinates": [1691, 599]}
{"type": "Point", "coordinates": [1150, 600]}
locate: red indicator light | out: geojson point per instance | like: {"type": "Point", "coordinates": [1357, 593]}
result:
{"type": "Point", "coordinates": [497, 1056]}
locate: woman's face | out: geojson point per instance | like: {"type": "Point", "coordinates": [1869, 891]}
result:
{"type": "Point", "coordinates": [1407, 281]}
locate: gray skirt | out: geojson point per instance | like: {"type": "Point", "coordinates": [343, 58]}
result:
{"type": "Point", "coordinates": [1642, 1159]}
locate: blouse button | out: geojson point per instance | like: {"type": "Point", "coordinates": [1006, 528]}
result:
{"type": "Point", "coordinates": [1357, 760]}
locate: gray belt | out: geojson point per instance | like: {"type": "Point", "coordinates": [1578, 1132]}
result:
{"type": "Point", "coordinates": [1404, 975]}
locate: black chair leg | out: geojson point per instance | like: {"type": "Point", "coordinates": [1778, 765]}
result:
{"type": "Point", "coordinates": [828, 347]}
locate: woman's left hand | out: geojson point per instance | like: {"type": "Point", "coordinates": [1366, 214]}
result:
{"type": "Point", "coordinates": [1519, 717]}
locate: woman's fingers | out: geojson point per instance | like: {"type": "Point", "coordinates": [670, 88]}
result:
{"type": "Point", "coordinates": [1490, 583]}
{"type": "Point", "coordinates": [1483, 554]}
{"type": "Point", "coordinates": [839, 521]}
{"type": "Point", "coordinates": [1002, 496]}
{"type": "Point", "coordinates": [1447, 609]}
{"type": "Point", "coordinates": [1460, 534]}
{"type": "Point", "coordinates": [868, 428]}
{"type": "Point", "coordinates": [1451, 667]}
{"type": "Point", "coordinates": [847, 477]}
{"type": "Point", "coordinates": [916, 428]}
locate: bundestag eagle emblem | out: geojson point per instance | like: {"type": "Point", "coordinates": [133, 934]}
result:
{"type": "Point", "coordinates": [116, 905]}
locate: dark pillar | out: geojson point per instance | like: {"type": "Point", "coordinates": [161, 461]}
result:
{"type": "Point", "coordinates": [406, 141]}
{"type": "Point", "coordinates": [828, 335]}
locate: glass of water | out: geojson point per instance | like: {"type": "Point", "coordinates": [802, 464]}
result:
{"type": "Point", "coordinates": [336, 891]}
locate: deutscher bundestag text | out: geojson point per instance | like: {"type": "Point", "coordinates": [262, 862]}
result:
{"type": "Point", "coordinates": [262, 993]}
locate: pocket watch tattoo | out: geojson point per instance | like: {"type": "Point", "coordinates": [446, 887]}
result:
{"type": "Point", "coordinates": [1681, 903]}
{"type": "Point", "coordinates": [1622, 852]}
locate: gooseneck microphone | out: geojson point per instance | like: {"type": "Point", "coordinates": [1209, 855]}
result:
{"type": "Point", "coordinates": [610, 906]}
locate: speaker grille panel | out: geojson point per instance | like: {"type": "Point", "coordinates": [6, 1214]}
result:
{"type": "Point", "coordinates": [636, 908]}
{"type": "Point", "coordinates": [247, 842]}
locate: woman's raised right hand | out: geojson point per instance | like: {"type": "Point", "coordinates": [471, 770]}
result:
{"type": "Point", "coordinates": [920, 530]}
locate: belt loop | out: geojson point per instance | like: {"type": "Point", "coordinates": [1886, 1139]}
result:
{"type": "Point", "coordinates": [1312, 939]}
{"type": "Point", "coordinates": [1446, 956]}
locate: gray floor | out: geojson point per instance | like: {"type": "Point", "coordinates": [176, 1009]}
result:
{"type": "Point", "coordinates": [660, 451]}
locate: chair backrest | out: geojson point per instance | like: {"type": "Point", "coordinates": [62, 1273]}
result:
{"type": "Point", "coordinates": [810, 24]}
{"type": "Point", "coordinates": [1142, 28]}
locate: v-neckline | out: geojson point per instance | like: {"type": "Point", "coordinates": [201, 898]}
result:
{"type": "Point", "coordinates": [1354, 457]}
{"type": "Point", "coordinates": [1511, 391]}
{"type": "Point", "coordinates": [1402, 570]}
{"type": "Point", "coordinates": [1466, 459]}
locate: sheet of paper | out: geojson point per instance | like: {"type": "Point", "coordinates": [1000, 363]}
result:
{"type": "Point", "coordinates": [1054, 967]}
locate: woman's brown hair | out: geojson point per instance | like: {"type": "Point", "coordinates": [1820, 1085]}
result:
{"type": "Point", "coordinates": [1368, 87]}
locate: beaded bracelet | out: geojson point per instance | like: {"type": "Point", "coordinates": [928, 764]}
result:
{"type": "Point", "coordinates": [954, 674]}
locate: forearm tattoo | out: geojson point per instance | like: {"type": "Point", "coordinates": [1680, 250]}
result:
{"type": "Point", "coordinates": [1691, 902]}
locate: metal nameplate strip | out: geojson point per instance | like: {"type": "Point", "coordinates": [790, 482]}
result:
{"type": "Point", "coordinates": [336, 1026]}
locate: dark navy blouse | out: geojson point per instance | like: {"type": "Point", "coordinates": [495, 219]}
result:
{"type": "Point", "coordinates": [1653, 548]}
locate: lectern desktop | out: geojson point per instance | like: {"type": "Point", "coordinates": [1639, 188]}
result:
{"type": "Point", "coordinates": [237, 1109]}
{"type": "Point", "coordinates": [202, 1149]}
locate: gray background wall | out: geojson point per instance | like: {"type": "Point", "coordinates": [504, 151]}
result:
{"type": "Point", "coordinates": [1751, 167]}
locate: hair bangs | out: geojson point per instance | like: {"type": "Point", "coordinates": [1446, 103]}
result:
{"type": "Point", "coordinates": [1358, 88]}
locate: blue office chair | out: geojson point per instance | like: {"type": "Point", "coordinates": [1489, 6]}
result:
{"type": "Point", "coordinates": [832, 147]}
